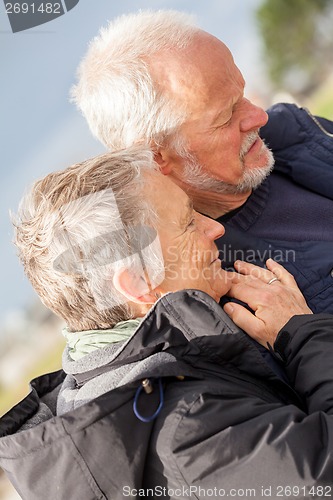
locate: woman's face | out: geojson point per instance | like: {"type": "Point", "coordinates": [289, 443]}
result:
{"type": "Point", "coordinates": [187, 241]}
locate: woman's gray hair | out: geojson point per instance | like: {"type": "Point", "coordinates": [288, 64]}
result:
{"type": "Point", "coordinates": [115, 90]}
{"type": "Point", "coordinates": [76, 227]}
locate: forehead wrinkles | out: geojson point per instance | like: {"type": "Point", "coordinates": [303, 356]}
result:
{"type": "Point", "coordinates": [202, 77]}
{"type": "Point", "coordinates": [170, 64]}
{"type": "Point", "coordinates": [168, 199]}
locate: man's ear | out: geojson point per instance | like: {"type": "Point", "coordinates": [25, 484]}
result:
{"type": "Point", "coordinates": [164, 160]}
{"type": "Point", "coordinates": [133, 286]}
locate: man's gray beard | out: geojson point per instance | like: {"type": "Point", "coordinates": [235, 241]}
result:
{"type": "Point", "coordinates": [195, 176]}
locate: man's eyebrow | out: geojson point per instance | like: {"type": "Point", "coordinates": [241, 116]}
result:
{"type": "Point", "coordinates": [219, 115]}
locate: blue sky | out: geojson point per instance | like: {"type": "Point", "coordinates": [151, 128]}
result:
{"type": "Point", "coordinates": [42, 131]}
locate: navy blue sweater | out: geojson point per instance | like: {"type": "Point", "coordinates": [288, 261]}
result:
{"type": "Point", "coordinates": [290, 216]}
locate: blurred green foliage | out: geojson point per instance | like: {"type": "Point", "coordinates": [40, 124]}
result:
{"type": "Point", "coordinates": [321, 102]}
{"type": "Point", "coordinates": [298, 43]}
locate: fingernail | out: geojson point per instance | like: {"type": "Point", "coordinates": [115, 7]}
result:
{"type": "Point", "coordinates": [228, 308]}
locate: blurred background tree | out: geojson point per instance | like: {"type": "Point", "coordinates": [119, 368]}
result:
{"type": "Point", "coordinates": [297, 40]}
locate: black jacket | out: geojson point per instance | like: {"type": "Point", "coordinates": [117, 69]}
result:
{"type": "Point", "coordinates": [227, 423]}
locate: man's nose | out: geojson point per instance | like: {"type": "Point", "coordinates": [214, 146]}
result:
{"type": "Point", "coordinates": [254, 117]}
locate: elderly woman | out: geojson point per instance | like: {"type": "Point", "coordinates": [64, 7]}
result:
{"type": "Point", "coordinates": [161, 394]}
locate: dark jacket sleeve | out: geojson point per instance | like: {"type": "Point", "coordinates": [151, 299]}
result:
{"type": "Point", "coordinates": [236, 442]}
{"type": "Point", "coordinates": [304, 344]}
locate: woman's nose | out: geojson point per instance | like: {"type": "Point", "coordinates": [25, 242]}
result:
{"type": "Point", "coordinates": [212, 229]}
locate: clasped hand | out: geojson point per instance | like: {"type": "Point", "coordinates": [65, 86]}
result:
{"type": "Point", "coordinates": [273, 301]}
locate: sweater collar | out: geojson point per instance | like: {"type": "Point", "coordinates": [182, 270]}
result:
{"type": "Point", "coordinates": [251, 210]}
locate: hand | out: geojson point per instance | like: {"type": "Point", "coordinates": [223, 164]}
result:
{"type": "Point", "coordinates": [273, 304]}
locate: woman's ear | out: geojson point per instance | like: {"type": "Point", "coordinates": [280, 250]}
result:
{"type": "Point", "coordinates": [133, 286]}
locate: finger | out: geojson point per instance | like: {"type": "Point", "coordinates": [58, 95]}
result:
{"type": "Point", "coordinates": [281, 273]}
{"type": "Point", "coordinates": [248, 269]}
{"type": "Point", "coordinates": [252, 293]}
{"type": "Point", "coordinates": [250, 280]}
{"type": "Point", "coordinates": [243, 278]}
{"type": "Point", "coordinates": [244, 319]}
{"type": "Point", "coordinates": [260, 296]}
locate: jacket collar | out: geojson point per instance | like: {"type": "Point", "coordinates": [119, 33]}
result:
{"type": "Point", "coordinates": [191, 325]}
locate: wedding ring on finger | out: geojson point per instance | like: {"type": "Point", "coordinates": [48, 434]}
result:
{"type": "Point", "coordinates": [272, 280]}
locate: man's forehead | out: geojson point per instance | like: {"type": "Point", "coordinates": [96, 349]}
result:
{"type": "Point", "coordinates": [201, 76]}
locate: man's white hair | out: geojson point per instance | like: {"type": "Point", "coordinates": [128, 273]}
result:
{"type": "Point", "coordinates": [115, 90]}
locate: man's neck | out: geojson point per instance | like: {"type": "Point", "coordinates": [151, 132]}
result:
{"type": "Point", "coordinates": [215, 205]}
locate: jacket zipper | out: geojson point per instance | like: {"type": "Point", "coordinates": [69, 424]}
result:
{"type": "Point", "coordinates": [319, 125]}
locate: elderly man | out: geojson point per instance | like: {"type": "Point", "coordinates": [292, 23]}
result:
{"type": "Point", "coordinates": [156, 77]}
{"type": "Point", "coordinates": [161, 396]}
